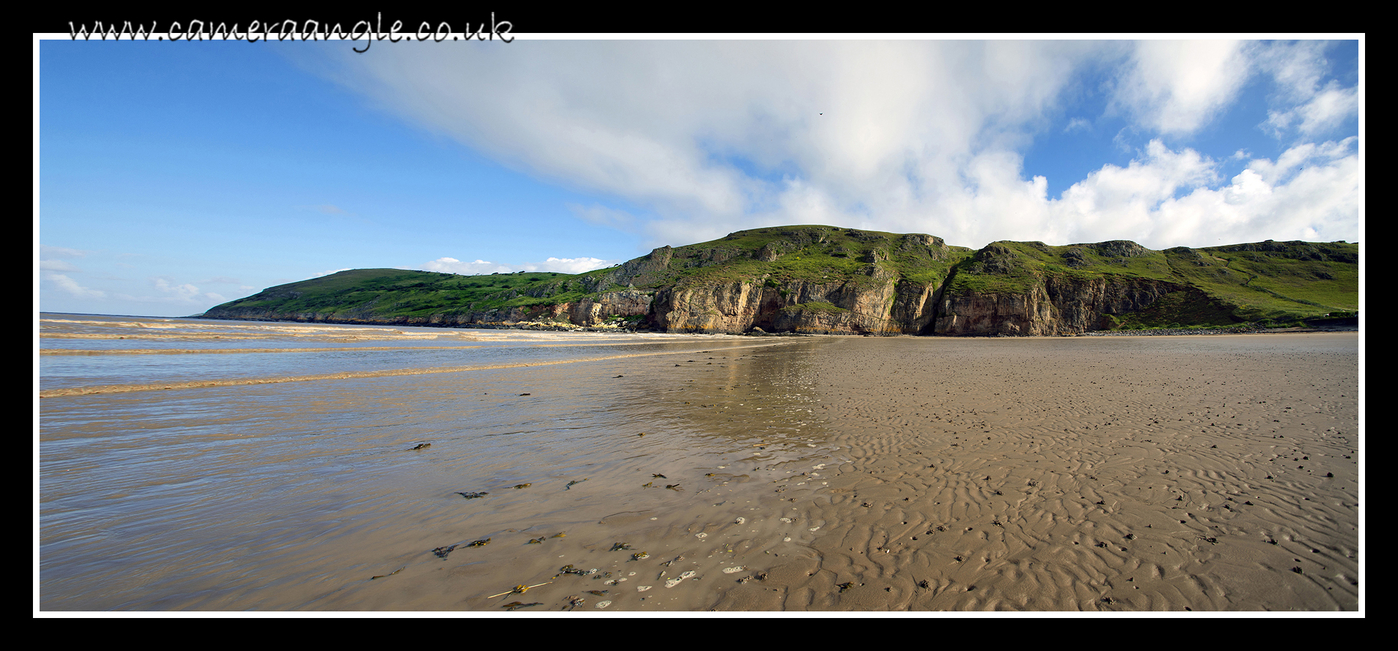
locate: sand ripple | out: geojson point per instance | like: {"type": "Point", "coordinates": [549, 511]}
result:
{"type": "Point", "coordinates": [825, 473]}
{"type": "Point", "coordinates": [1058, 475]}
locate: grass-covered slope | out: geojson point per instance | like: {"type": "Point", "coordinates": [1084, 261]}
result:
{"type": "Point", "coordinates": [1277, 280]}
{"type": "Point", "coordinates": [1262, 282]}
{"type": "Point", "coordinates": [807, 253]}
{"type": "Point", "coordinates": [1268, 281]}
{"type": "Point", "coordinates": [370, 294]}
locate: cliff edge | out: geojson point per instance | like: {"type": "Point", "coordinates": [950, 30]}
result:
{"type": "Point", "coordinates": [828, 280]}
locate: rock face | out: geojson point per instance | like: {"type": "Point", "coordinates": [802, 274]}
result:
{"type": "Point", "coordinates": [878, 303]}
{"type": "Point", "coordinates": [1054, 306]}
{"type": "Point", "coordinates": [827, 280]}
{"type": "Point", "coordinates": [637, 271]}
{"type": "Point", "coordinates": [589, 312]}
{"type": "Point", "coordinates": [592, 311]}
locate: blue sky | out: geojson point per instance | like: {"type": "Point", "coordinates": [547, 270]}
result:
{"type": "Point", "coordinates": [176, 176]}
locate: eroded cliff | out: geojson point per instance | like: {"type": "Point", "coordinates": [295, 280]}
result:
{"type": "Point", "coordinates": [826, 280]}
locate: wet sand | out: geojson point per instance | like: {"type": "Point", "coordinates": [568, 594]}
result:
{"type": "Point", "coordinates": [1199, 473]}
{"type": "Point", "coordinates": [1213, 473]}
{"type": "Point", "coordinates": [350, 492]}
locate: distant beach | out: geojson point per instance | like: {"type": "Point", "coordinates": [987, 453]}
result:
{"type": "Point", "coordinates": [389, 469]}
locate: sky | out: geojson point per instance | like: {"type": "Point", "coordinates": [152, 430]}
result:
{"type": "Point", "coordinates": [172, 177]}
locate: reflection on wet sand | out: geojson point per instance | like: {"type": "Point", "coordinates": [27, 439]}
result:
{"type": "Point", "coordinates": [352, 493]}
{"type": "Point", "coordinates": [231, 351]}
{"type": "Point", "coordinates": [727, 473]}
{"type": "Point", "coordinates": [197, 384]}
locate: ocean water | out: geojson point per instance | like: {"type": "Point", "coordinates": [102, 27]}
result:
{"type": "Point", "coordinates": [189, 464]}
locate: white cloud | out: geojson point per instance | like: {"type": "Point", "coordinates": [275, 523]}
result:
{"type": "Point", "coordinates": [1176, 87]}
{"type": "Point", "coordinates": [56, 265]}
{"type": "Point", "coordinates": [724, 132]}
{"type": "Point", "coordinates": [184, 290]}
{"type": "Point", "coordinates": [1328, 109]}
{"type": "Point", "coordinates": [568, 265]}
{"type": "Point", "coordinates": [182, 293]}
{"type": "Point", "coordinates": [47, 251]}
{"type": "Point", "coordinates": [562, 265]}
{"type": "Point", "coordinates": [1165, 199]}
{"type": "Point", "coordinates": [911, 136]}
{"type": "Point", "coordinates": [454, 266]}
{"type": "Point", "coordinates": [1294, 159]}
{"type": "Point", "coordinates": [1303, 102]}
{"type": "Point", "coordinates": [1119, 203]}
{"type": "Point", "coordinates": [72, 287]}
{"type": "Point", "coordinates": [1297, 67]}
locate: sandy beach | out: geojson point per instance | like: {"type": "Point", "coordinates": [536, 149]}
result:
{"type": "Point", "coordinates": [1203, 473]}
{"type": "Point", "coordinates": [1210, 473]}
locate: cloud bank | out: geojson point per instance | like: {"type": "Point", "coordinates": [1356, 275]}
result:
{"type": "Point", "coordinates": [698, 139]}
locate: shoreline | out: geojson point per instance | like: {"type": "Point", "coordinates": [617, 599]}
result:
{"type": "Point", "coordinates": [831, 474]}
{"type": "Point", "coordinates": [558, 327]}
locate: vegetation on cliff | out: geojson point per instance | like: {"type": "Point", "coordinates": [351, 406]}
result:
{"type": "Point", "coordinates": [832, 272]}
{"type": "Point", "coordinates": [1262, 282]}
{"type": "Point", "coordinates": [369, 294]}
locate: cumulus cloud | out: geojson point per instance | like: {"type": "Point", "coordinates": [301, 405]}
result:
{"type": "Point", "coordinates": [1166, 199]}
{"type": "Point", "coordinates": [562, 265]}
{"type": "Point", "coordinates": [723, 131]}
{"type": "Point", "coordinates": [454, 266]}
{"type": "Point", "coordinates": [1176, 87]}
{"type": "Point", "coordinates": [1326, 110]}
{"type": "Point", "coordinates": [568, 265]}
{"type": "Point", "coordinates": [911, 136]}
{"type": "Point", "coordinates": [1119, 202]}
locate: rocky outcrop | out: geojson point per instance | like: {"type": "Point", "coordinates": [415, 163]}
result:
{"type": "Point", "coordinates": [1056, 305]}
{"type": "Point", "coordinates": [637, 271]}
{"type": "Point", "coordinates": [596, 311]}
{"type": "Point", "coordinates": [877, 302]}
{"type": "Point", "coordinates": [822, 279]}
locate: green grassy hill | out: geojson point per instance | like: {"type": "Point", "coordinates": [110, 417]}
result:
{"type": "Point", "coordinates": [1262, 282]}
{"type": "Point", "coordinates": [1272, 282]}
{"type": "Point", "coordinates": [391, 293]}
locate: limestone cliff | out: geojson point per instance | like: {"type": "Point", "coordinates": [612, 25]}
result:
{"type": "Point", "coordinates": [880, 302]}
{"type": "Point", "coordinates": [821, 279]}
{"type": "Point", "coordinates": [1050, 306]}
